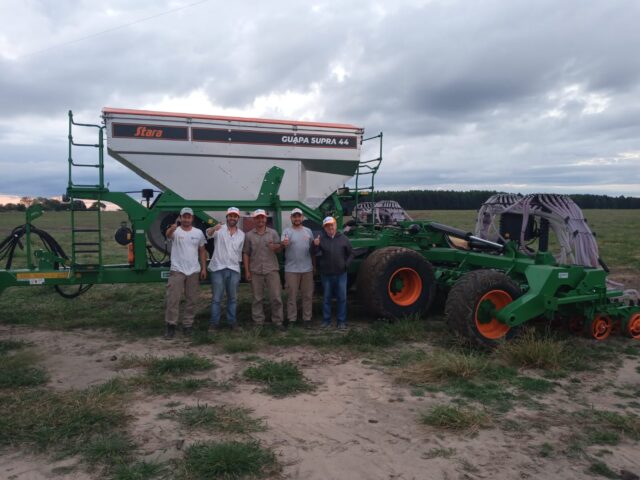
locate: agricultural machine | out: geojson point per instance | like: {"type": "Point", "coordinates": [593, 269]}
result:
{"type": "Point", "coordinates": [492, 281]}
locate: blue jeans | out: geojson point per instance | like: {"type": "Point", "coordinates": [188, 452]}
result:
{"type": "Point", "coordinates": [334, 286]}
{"type": "Point", "coordinates": [225, 280]}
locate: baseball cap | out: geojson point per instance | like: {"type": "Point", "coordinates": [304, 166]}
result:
{"type": "Point", "coordinates": [296, 210]}
{"type": "Point", "coordinates": [233, 210]}
{"type": "Point", "coordinates": [186, 210]}
{"type": "Point", "coordinates": [258, 212]}
{"type": "Point", "coordinates": [328, 220]}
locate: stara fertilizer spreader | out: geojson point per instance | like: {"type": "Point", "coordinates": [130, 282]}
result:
{"type": "Point", "coordinates": [492, 281]}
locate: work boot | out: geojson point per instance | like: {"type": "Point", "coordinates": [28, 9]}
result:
{"type": "Point", "coordinates": [170, 331]}
{"type": "Point", "coordinates": [187, 331]}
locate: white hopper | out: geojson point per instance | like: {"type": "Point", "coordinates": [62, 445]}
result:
{"type": "Point", "coordinates": [203, 157]}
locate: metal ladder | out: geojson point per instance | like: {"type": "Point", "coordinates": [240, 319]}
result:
{"type": "Point", "coordinates": [365, 169]}
{"type": "Point", "coordinates": [86, 237]}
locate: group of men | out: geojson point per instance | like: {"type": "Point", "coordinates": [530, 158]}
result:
{"type": "Point", "coordinates": [330, 253]}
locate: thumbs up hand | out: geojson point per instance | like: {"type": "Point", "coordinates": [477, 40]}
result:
{"type": "Point", "coordinates": [285, 241]}
{"type": "Point", "coordinates": [316, 242]}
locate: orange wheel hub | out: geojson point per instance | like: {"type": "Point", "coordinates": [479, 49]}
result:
{"type": "Point", "coordinates": [405, 287]}
{"type": "Point", "coordinates": [601, 327]}
{"type": "Point", "coordinates": [485, 315]}
{"type": "Point", "coordinates": [633, 326]}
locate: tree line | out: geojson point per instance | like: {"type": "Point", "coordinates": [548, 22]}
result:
{"type": "Point", "coordinates": [409, 199]}
{"type": "Point", "coordinates": [49, 204]}
{"type": "Point", "coordinates": [473, 199]}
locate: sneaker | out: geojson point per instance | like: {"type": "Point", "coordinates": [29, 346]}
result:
{"type": "Point", "coordinates": [187, 331]}
{"type": "Point", "coordinates": [306, 325]}
{"type": "Point", "coordinates": [325, 326]}
{"type": "Point", "coordinates": [342, 326]}
{"type": "Point", "coordinates": [170, 331]}
{"type": "Point", "coordinates": [214, 326]}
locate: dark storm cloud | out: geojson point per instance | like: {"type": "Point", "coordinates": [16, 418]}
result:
{"type": "Point", "coordinates": [467, 93]}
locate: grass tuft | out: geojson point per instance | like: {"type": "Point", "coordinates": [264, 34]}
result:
{"type": "Point", "coordinates": [240, 344]}
{"type": "Point", "coordinates": [532, 351]}
{"type": "Point", "coordinates": [8, 345]}
{"type": "Point", "coordinates": [281, 378]}
{"type": "Point", "coordinates": [220, 418]}
{"type": "Point", "coordinates": [110, 449]}
{"type": "Point", "coordinates": [443, 365]}
{"type": "Point", "coordinates": [19, 370]}
{"type": "Point", "coordinates": [139, 471]}
{"type": "Point", "coordinates": [63, 421]}
{"type": "Point", "coordinates": [439, 453]}
{"type": "Point", "coordinates": [450, 417]}
{"type": "Point", "coordinates": [602, 469]}
{"type": "Point", "coordinates": [178, 365]}
{"type": "Point", "coordinates": [227, 460]}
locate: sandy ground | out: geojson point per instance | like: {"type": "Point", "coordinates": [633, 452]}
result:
{"type": "Point", "coordinates": [357, 424]}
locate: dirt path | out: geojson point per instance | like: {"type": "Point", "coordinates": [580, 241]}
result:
{"type": "Point", "coordinates": [357, 424]}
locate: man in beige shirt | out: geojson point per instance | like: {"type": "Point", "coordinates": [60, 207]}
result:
{"type": "Point", "coordinates": [261, 268]}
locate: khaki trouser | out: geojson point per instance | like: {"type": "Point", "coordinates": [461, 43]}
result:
{"type": "Point", "coordinates": [259, 282]}
{"type": "Point", "coordinates": [303, 283]}
{"type": "Point", "coordinates": [179, 284]}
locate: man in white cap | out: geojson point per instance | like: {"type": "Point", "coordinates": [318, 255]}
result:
{"type": "Point", "coordinates": [334, 254]}
{"type": "Point", "coordinates": [225, 267]}
{"type": "Point", "coordinates": [298, 267]}
{"type": "Point", "coordinates": [188, 267]}
{"type": "Point", "coordinates": [261, 268]}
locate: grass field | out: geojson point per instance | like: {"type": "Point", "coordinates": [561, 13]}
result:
{"type": "Point", "coordinates": [88, 389]}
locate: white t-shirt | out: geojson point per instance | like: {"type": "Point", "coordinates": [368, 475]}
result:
{"type": "Point", "coordinates": [184, 250]}
{"type": "Point", "coordinates": [228, 250]}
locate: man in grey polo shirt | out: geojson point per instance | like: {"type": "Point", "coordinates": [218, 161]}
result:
{"type": "Point", "coordinates": [297, 242]}
{"type": "Point", "coordinates": [261, 268]}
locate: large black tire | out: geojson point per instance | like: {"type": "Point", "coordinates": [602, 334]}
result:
{"type": "Point", "coordinates": [471, 302]}
{"type": "Point", "coordinates": [394, 282]}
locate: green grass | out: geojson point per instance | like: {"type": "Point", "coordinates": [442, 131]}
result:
{"type": "Point", "coordinates": [189, 363]}
{"type": "Point", "coordinates": [545, 450]}
{"type": "Point", "coordinates": [44, 420]}
{"type": "Point", "coordinates": [533, 351]}
{"type": "Point", "coordinates": [220, 418]}
{"type": "Point", "coordinates": [627, 423]}
{"type": "Point", "coordinates": [442, 365]}
{"type": "Point", "coordinates": [139, 471]}
{"type": "Point", "coordinates": [449, 417]}
{"type": "Point", "coordinates": [162, 385]}
{"type": "Point", "coordinates": [7, 346]}
{"type": "Point", "coordinates": [227, 461]}
{"type": "Point", "coordinates": [473, 376]}
{"type": "Point", "coordinates": [439, 453]}
{"type": "Point", "coordinates": [534, 385]}
{"type": "Point", "coordinates": [281, 378]}
{"type": "Point", "coordinates": [239, 345]}
{"type": "Point", "coordinates": [110, 449]}
{"type": "Point", "coordinates": [20, 370]}
{"type": "Point", "coordinates": [601, 469]}
{"type": "Point", "coordinates": [160, 373]}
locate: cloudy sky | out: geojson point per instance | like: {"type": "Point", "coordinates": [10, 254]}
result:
{"type": "Point", "coordinates": [513, 95]}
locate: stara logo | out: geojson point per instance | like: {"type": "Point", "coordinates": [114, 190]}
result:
{"type": "Point", "coordinates": [148, 132]}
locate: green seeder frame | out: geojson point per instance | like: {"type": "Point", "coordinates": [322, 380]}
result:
{"type": "Point", "coordinates": [549, 290]}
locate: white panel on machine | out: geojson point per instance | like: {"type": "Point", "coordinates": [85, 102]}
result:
{"type": "Point", "coordinates": [202, 157]}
